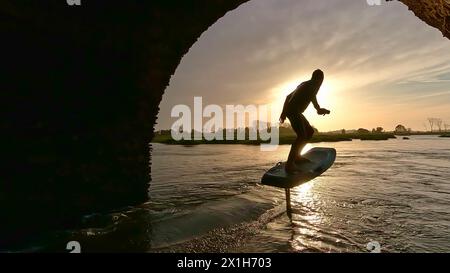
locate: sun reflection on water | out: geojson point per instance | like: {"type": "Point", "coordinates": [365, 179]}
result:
{"type": "Point", "coordinates": [306, 237]}
{"type": "Point", "coordinates": [303, 190]}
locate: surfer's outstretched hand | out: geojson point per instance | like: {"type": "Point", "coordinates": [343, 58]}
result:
{"type": "Point", "coordinates": [323, 111]}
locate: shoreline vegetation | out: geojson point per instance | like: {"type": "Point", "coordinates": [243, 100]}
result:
{"type": "Point", "coordinates": [286, 137]}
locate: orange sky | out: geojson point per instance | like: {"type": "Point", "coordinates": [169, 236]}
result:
{"type": "Point", "coordinates": [382, 66]}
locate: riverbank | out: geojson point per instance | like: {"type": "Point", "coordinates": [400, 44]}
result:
{"type": "Point", "coordinates": [284, 139]}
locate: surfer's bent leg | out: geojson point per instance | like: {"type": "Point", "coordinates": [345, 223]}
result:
{"type": "Point", "coordinates": [307, 129]}
{"type": "Point", "coordinates": [307, 133]}
{"type": "Point", "coordinates": [304, 133]}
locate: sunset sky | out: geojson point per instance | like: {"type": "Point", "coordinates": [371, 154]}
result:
{"type": "Point", "coordinates": [382, 65]}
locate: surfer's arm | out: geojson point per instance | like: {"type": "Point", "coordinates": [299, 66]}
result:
{"type": "Point", "coordinates": [320, 111]}
{"type": "Point", "coordinates": [315, 103]}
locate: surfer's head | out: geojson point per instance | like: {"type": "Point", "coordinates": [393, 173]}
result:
{"type": "Point", "coordinates": [317, 76]}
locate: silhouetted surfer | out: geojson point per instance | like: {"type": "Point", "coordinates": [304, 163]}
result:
{"type": "Point", "coordinates": [294, 106]}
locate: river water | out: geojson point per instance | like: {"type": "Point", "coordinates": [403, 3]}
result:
{"type": "Point", "coordinates": [393, 194]}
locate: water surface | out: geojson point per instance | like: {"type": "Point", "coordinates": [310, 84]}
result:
{"type": "Point", "coordinates": [207, 198]}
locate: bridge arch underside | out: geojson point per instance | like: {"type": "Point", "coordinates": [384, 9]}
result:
{"type": "Point", "coordinates": [82, 94]}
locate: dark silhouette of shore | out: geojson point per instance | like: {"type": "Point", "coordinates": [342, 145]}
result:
{"type": "Point", "coordinates": [286, 137]}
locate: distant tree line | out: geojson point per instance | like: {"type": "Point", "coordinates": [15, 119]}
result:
{"type": "Point", "coordinates": [434, 125]}
{"type": "Point", "coordinates": [439, 124]}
